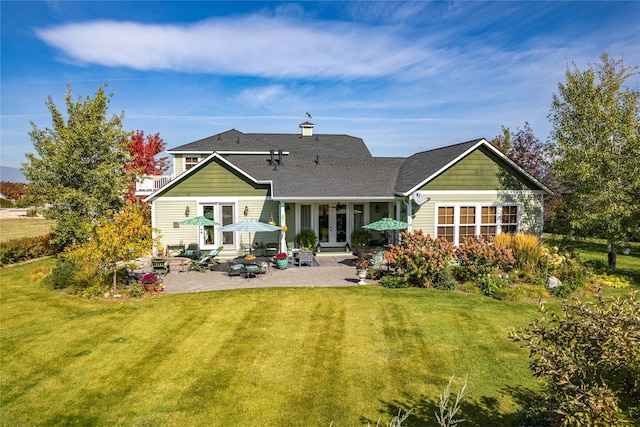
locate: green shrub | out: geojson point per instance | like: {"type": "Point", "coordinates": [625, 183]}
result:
{"type": "Point", "coordinates": [306, 238]}
{"type": "Point", "coordinates": [62, 275]}
{"type": "Point", "coordinates": [420, 257]}
{"type": "Point", "coordinates": [588, 362]}
{"type": "Point", "coordinates": [521, 292]}
{"type": "Point", "coordinates": [136, 290]}
{"type": "Point", "coordinates": [394, 282]}
{"type": "Point", "coordinates": [360, 237]}
{"type": "Point", "coordinates": [94, 290]}
{"type": "Point", "coordinates": [4, 203]}
{"type": "Point", "coordinates": [26, 248]}
{"type": "Point", "coordinates": [490, 283]}
{"type": "Point", "coordinates": [612, 281]}
{"type": "Point", "coordinates": [469, 288]}
{"type": "Point", "coordinates": [444, 280]}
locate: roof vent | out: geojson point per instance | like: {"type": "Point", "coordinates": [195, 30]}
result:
{"type": "Point", "coordinates": [307, 128]}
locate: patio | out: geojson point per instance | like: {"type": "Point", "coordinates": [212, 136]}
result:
{"type": "Point", "coordinates": [337, 269]}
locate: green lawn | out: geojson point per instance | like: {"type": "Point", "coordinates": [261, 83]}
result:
{"type": "Point", "coordinates": [14, 228]}
{"type": "Point", "coordinates": [267, 357]}
{"type": "Point", "coordinates": [628, 265]}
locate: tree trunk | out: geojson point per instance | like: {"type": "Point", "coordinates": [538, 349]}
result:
{"type": "Point", "coordinates": [612, 255]}
{"type": "Point", "coordinates": [115, 273]}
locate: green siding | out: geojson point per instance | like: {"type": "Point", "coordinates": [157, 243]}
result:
{"type": "Point", "coordinates": [216, 179]}
{"type": "Point", "coordinates": [480, 170]}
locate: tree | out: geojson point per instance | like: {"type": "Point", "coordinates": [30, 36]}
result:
{"type": "Point", "coordinates": [528, 151]}
{"type": "Point", "coordinates": [503, 142]}
{"type": "Point", "coordinates": [13, 191]}
{"type": "Point", "coordinates": [77, 173]}
{"type": "Point", "coordinates": [595, 151]}
{"type": "Point", "coordinates": [116, 238]}
{"type": "Point", "coordinates": [143, 161]}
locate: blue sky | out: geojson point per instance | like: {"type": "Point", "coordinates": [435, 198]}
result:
{"type": "Point", "coordinates": [405, 77]}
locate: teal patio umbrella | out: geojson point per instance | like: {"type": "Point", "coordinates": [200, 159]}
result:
{"type": "Point", "coordinates": [199, 221]}
{"type": "Point", "coordinates": [250, 226]}
{"type": "Point", "coordinates": [387, 224]}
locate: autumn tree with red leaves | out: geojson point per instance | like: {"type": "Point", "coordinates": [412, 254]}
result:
{"type": "Point", "coordinates": [143, 151]}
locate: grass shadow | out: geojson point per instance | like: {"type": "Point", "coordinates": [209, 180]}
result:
{"type": "Point", "coordinates": [482, 412]}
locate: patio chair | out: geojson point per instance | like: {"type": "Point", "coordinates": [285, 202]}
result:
{"type": "Point", "coordinates": [204, 263]}
{"type": "Point", "coordinates": [270, 249]}
{"type": "Point", "coordinates": [192, 251]}
{"type": "Point", "coordinates": [265, 266]}
{"type": "Point", "coordinates": [132, 276]}
{"type": "Point", "coordinates": [159, 266]}
{"type": "Point", "coordinates": [305, 257]}
{"type": "Point", "coordinates": [235, 269]}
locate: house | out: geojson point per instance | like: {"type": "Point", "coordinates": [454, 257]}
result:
{"type": "Point", "coordinates": [333, 185]}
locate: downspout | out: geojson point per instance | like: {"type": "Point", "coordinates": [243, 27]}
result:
{"type": "Point", "coordinates": [409, 206]}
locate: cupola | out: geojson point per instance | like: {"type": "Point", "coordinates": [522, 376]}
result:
{"type": "Point", "coordinates": [307, 128]}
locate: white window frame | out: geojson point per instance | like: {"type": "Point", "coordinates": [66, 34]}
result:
{"type": "Point", "coordinates": [184, 162]}
{"type": "Point", "coordinates": [478, 217]}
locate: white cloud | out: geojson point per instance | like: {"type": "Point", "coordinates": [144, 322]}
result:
{"type": "Point", "coordinates": [251, 45]}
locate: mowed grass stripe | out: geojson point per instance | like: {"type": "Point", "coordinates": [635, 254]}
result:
{"type": "Point", "coordinates": [270, 357]}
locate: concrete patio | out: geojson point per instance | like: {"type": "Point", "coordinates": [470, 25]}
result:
{"type": "Point", "coordinates": [335, 269]}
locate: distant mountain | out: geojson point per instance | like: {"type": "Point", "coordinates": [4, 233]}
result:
{"type": "Point", "coordinates": [10, 174]}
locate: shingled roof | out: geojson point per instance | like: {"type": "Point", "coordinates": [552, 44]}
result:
{"type": "Point", "coordinates": [325, 165]}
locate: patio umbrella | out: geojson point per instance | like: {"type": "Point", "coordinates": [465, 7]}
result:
{"type": "Point", "coordinates": [199, 221]}
{"type": "Point", "coordinates": [386, 224]}
{"type": "Point", "coordinates": [249, 226]}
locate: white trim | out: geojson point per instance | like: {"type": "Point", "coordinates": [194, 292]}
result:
{"type": "Point", "coordinates": [482, 192]}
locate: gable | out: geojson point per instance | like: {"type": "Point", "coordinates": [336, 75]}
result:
{"type": "Point", "coordinates": [216, 179]}
{"type": "Point", "coordinates": [481, 169]}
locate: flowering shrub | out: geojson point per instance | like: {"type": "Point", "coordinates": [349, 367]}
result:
{"type": "Point", "coordinates": [282, 255]}
{"type": "Point", "coordinates": [477, 257]}
{"type": "Point", "coordinates": [150, 279]}
{"type": "Point", "coordinates": [420, 257]}
{"type": "Point", "coordinates": [362, 264]}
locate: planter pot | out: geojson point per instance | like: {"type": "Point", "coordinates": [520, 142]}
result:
{"type": "Point", "coordinates": [150, 287]}
{"type": "Point", "coordinates": [159, 289]}
{"type": "Point", "coordinates": [282, 263]}
{"type": "Point", "coordinates": [361, 274]}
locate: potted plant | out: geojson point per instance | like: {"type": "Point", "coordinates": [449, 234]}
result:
{"type": "Point", "coordinates": [361, 270]}
{"type": "Point", "coordinates": [306, 238]}
{"type": "Point", "coordinates": [282, 260]}
{"type": "Point", "coordinates": [150, 280]}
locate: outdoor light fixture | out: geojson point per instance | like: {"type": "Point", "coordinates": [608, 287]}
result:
{"type": "Point", "coordinates": [377, 208]}
{"type": "Point", "coordinates": [288, 208]}
{"type": "Point", "coordinates": [186, 211]}
{"type": "Point", "coordinates": [246, 210]}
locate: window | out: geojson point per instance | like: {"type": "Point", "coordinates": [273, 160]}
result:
{"type": "Point", "coordinates": [455, 223]}
{"type": "Point", "coordinates": [446, 225]}
{"type": "Point", "coordinates": [358, 216]}
{"type": "Point", "coordinates": [467, 222]}
{"type": "Point", "coordinates": [488, 222]}
{"type": "Point", "coordinates": [509, 219]}
{"type": "Point", "coordinates": [190, 162]}
{"type": "Point", "coordinates": [305, 216]}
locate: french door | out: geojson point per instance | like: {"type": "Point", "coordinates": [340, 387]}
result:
{"type": "Point", "coordinates": [210, 236]}
{"type": "Point", "coordinates": [332, 225]}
